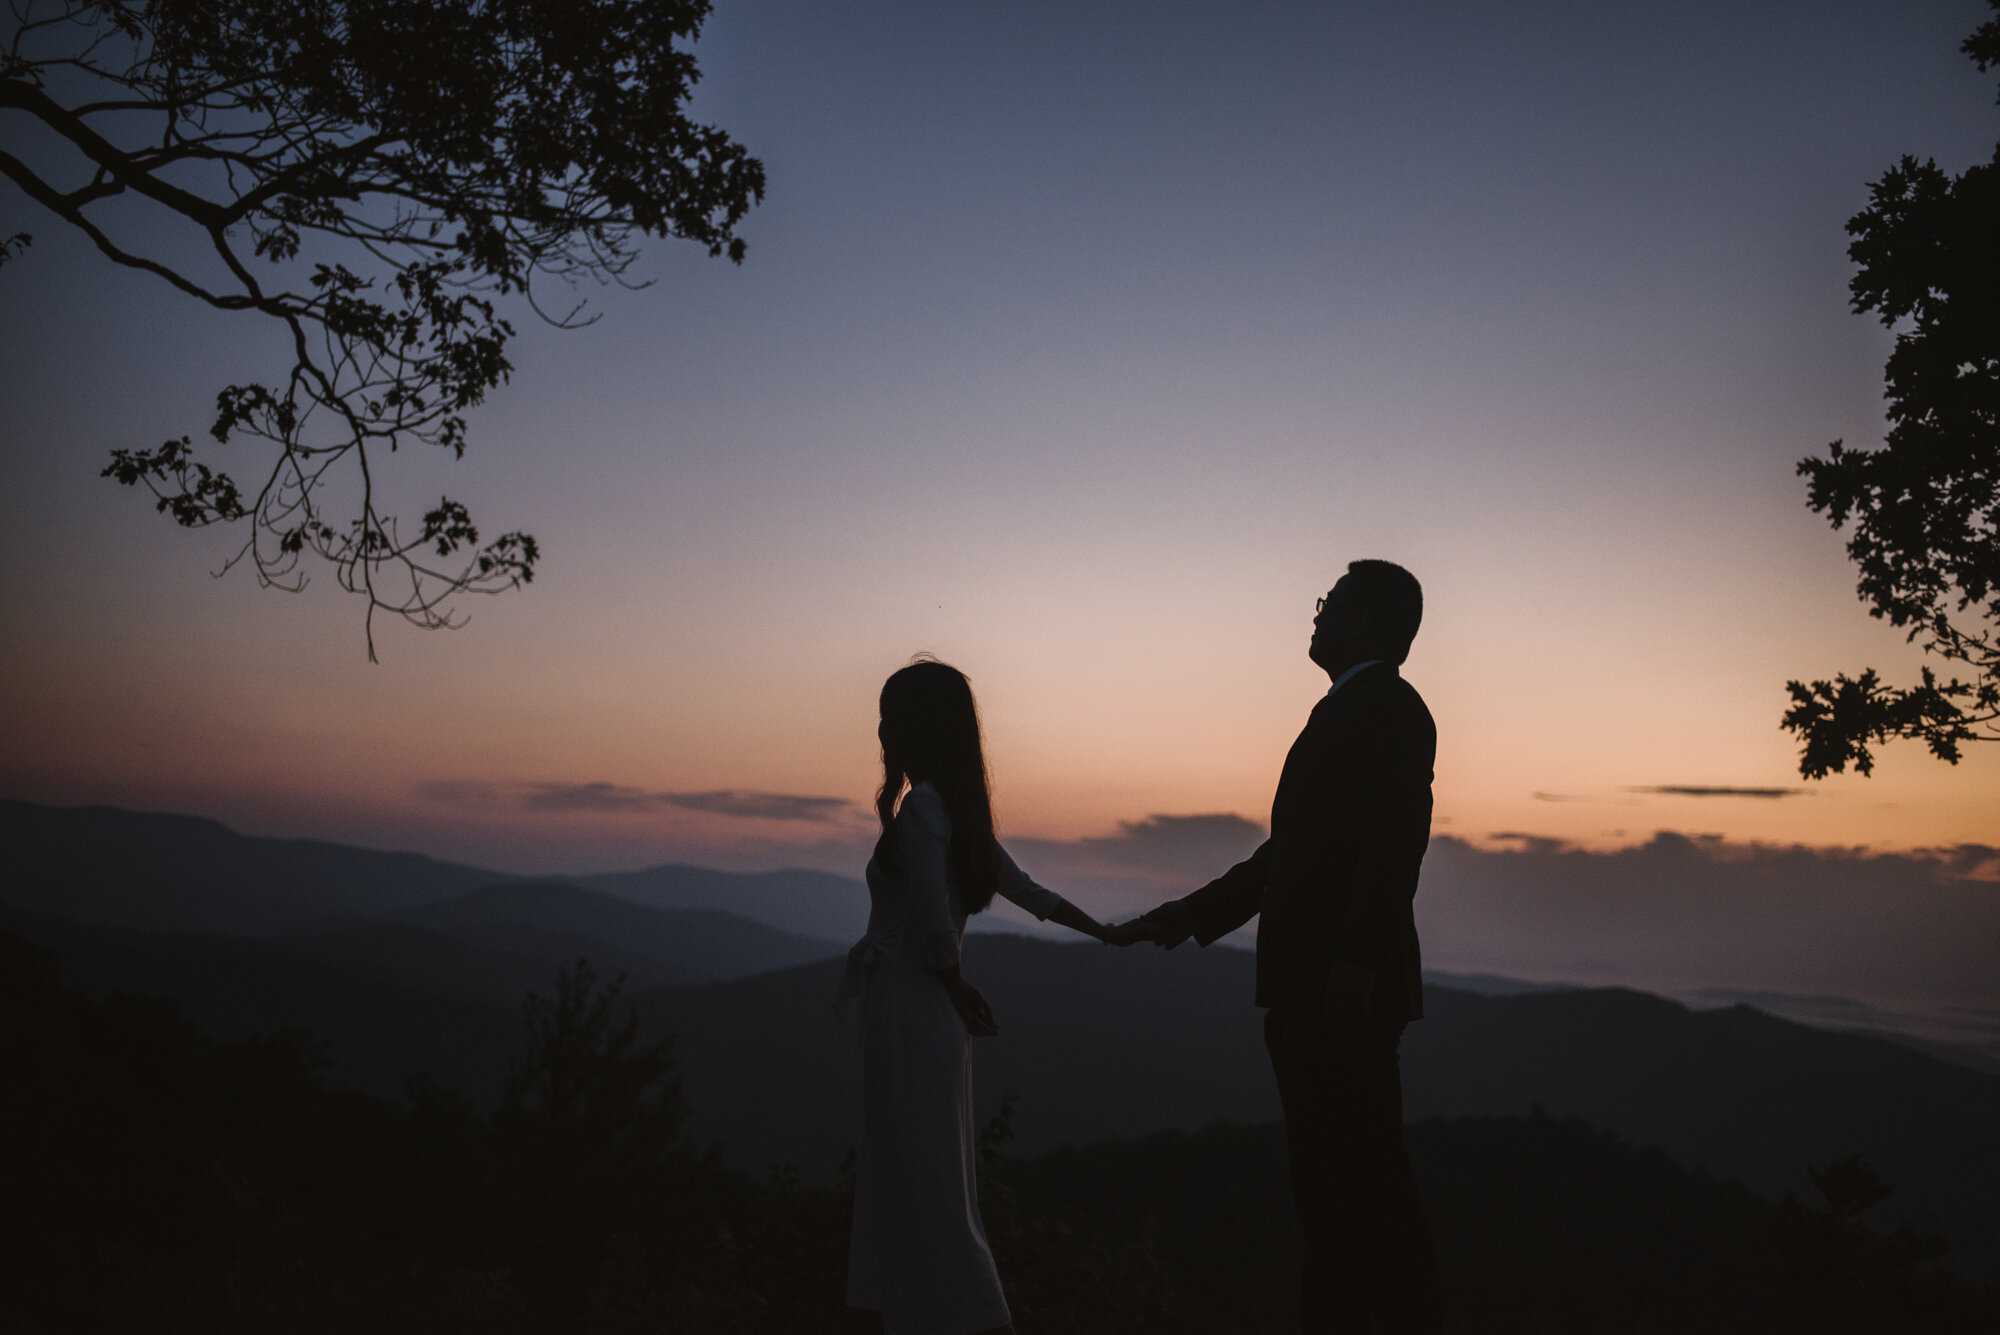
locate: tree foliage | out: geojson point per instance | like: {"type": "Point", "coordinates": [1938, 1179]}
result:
{"type": "Point", "coordinates": [375, 176]}
{"type": "Point", "coordinates": [591, 1119]}
{"type": "Point", "coordinates": [1849, 1276]}
{"type": "Point", "coordinates": [1925, 507]}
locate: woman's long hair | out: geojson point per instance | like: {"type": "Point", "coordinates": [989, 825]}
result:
{"type": "Point", "coordinates": [930, 734]}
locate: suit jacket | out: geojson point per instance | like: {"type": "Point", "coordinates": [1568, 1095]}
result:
{"type": "Point", "coordinates": [1337, 878]}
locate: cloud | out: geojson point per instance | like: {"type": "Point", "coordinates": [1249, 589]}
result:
{"type": "Point", "coordinates": [1679, 913]}
{"type": "Point", "coordinates": [1676, 914]}
{"type": "Point", "coordinates": [603, 797]}
{"type": "Point", "coordinates": [1557, 797]}
{"type": "Point", "coordinates": [761, 806]}
{"type": "Point", "coordinates": [1530, 843]}
{"type": "Point", "coordinates": [1717, 790]}
{"type": "Point", "coordinates": [466, 793]}
{"type": "Point", "coordinates": [1980, 860]}
{"type": "Point", "coordinates": [1206, 844]}
{"type": "Point", "coordinates": [1160, 857]}
{"type": "Point", "coordinates": [584, 797]}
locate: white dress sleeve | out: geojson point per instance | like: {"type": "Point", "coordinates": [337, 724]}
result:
{"type": "Point", "coordinates": [1017, 887]}
{"type": "Point", "coordinates": [923, 835]}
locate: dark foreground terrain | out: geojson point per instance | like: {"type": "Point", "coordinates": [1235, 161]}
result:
{"type": "Point", "coordinates": [159, 1179]}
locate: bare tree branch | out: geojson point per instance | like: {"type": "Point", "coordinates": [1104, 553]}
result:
{"type": "Point", "coordinates": [400, 167]}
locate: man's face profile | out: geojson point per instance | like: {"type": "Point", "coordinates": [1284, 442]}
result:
{"type": "Point", "coordinates": [1337, 629]}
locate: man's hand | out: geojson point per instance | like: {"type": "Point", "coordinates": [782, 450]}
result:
{"type": "Point", "coordinates": [1128, 933]}
{"type": "Point", "coordinates": [1171, 924]}
{"type": "Point", "coordinates": [1350, 995]}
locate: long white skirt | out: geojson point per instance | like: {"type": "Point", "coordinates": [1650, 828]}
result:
{"type": "Point", "coordinates": [919, 1253]}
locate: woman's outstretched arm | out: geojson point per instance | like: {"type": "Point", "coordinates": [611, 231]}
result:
{"type": "Point", "coordinates": [1069, 915]}
{"type": "Point", "coordinates": [1019, 888]}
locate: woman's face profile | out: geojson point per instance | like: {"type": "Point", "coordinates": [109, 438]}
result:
{"type": "Point", "coordinates": [890, 736]}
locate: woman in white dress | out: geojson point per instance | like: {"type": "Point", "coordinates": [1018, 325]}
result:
{"type": "Point", "coordinates": [918, 1254]}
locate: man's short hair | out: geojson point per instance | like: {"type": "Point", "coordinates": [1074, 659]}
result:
{"type": "Point", "coordinates": [1390, 601]}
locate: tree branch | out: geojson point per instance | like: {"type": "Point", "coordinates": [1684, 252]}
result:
{"type": "Point", "coordinates": [26, 97]}
{"type": "Point", "coordinates": [40, 191]}
{"type": "Point", "coordinates": [461, 152]}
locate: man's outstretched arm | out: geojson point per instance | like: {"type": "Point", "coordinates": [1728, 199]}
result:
{"type": "Point", "coordinates": [1218, 908]}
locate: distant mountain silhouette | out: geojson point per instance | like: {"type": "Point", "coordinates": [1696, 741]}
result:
{"type": "Point", "coordinates": [1743, 1094]}
{"type": "Point", "coordinates": [1100, 1043]}
{"type": "Point", "coordinates": [554, 921]}
{"type": "Point", "coordinates": [185, 873]}
{"type": "Point", "coordinates": [435, 961]}
{"type": "Point", "coordinates": [811, 903]}
{"type": "Point", "coordinates": [406, 964]}
{"type": "Point", "coordinates": [1963, 1035]}
{"type": "Point", "coordinates": [1104, 1044]}
{"type": "Point", "coordinates": [163, 1180]}
{"type": "Point", "coordinates": [379, 1025]}
{"type": "Point", "coordinates": [403, 963]}
{"type": "Point", "coordinates": [1490, 984]}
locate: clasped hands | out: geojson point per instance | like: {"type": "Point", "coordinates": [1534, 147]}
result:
{"type": "Point", "coordinates": [1168, 925]}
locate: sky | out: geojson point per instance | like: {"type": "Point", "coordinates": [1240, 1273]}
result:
{"type": "Point", "coordinates": [1080, 345]}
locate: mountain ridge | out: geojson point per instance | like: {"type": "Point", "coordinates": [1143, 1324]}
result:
{"type": "Point", "coordinates": [1102, 1044]}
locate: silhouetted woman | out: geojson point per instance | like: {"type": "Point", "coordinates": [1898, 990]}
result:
{"type": "Point", "coordinates": [919, 1255]}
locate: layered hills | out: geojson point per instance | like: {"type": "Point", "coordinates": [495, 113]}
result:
{"type": "Point", "coordinates": [404, 965]}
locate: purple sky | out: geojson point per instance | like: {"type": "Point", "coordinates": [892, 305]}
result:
{"type": "Point", "coordinates": [1081, 345]}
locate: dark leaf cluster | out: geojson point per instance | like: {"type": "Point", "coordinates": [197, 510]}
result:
{"type": "Point", "coordinates": [371, 175]}
{"type": "Point", "coordinates": [1849, 1276]}
{"type": "Point", "coordinates": [1923, 511]}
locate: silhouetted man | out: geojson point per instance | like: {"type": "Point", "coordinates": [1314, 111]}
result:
{"type": "Point", "coordinates": [1337, 961]}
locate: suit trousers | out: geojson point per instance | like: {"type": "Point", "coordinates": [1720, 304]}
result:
{"type": "Point", "coordinates": [1367, 1254]}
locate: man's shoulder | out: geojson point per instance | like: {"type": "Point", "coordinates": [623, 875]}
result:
{"type": "Point", "coordinates": [1378, 686]}
{"type": "Point", "coordinates": [1399, 688]}
{"type": "Point", "coordinates": [1379, 703]}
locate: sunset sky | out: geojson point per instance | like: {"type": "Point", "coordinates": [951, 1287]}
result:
{"type": "Point", "coordinates": [1080, 345]}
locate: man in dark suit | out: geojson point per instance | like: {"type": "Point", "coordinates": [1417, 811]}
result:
{"type": "Point", "coordinates": [1337, 960]}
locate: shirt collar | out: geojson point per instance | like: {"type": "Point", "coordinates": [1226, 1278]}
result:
{"type": "Point", "coordinates": [1344, 677]}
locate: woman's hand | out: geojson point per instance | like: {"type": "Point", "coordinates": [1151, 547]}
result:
{"type": "Point", "coordinates": [971, 1006]}
{"type": "Point", "coordinates": [1138, 929]}
{"type": "Point", "coordinates": [1069, 915]}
